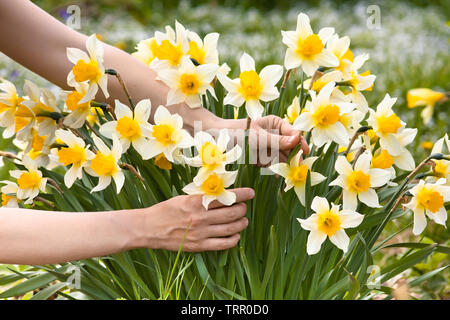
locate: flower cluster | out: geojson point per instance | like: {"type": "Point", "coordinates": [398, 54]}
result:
{"type": "Point", "coordinates": [358, 150]}
{"type": "Point", "coordinates": [84, 136]}
{"type": "Point", "coordinates": [188, 65]}
{"type": "Point", "coordinates": [372, 140]}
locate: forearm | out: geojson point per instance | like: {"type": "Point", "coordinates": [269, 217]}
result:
{"type": "Point", "coordinates": [44, 237]}
{"type": "Point", "coordinates": [38, 41]}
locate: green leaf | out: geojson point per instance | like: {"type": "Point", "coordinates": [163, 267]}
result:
{"type": "Point", "coordinates": [426, 276]}
{"type": "Point", "coordinates": [406, 262]}
{"type": "Point", "coordinates": [415, 245]}
{"type": "Point", "coordinates": [206, 277]}
{"type": "Point", "coordinates": [34, 283]}
{"type": "Point", "coordinates": [49, 291]}
{"type": "Point", "coordinates": [338, 288]}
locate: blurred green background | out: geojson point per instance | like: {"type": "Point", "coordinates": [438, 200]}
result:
{"type": "Point", "coordinates": [409, 50]}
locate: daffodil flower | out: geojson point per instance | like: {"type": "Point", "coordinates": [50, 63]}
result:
{"type": "Point", "coordinates": [320, 82]}
{"type": "Point", "coordinates": [38, 100]}
{"type": "Point", "coordinates": [387, 125]}
{"type": "Point", "coordinates": [8, 193]}
{"type": "Point", "coordinates": [203, 52]}
{"type": "Point", "coordinates": [340, 48]}
{"type": "Point", "coordinates": [164, 50]}
{"type": "Point", "coordinates": [322, 116]}
{"type": "Point", "coordinates": [212, 156]}
{"type": "Point", "coordinates": [358, 182]}
{"type": "Point", "coordinates": [212, 187]}
{"type": "Point", "coordinates": [36, 147]}
{"type": "Point", "coordinates": [382, 159]}
{"type": "Point", "coordinates": [441, 168]}
{"type": "Point", "coordinates": [252, 87]}
{"type": "Point", "coordinates": [167, 135]}
{"type": "Point", "coordinates": [88, 69]}
{"type": "Point", "coordinates": [328, 222]}
{"type": "Point", "coordinates": [162, 162]}
{"type": "Point", "coordinates": [78, 111]}
{"type": "Point", "coordinates": [293, 111]}
{"type": "Point", "coordinates": [26, 116]}
{"type": "Point", "coordinates": [189, 83]}
{"type": "Point", "coordinates": [131, 127]}
{"type": "Point", "coordinates": [428, 199]}
{"type": "Point", "coordinates": [296, 172]}
{"type": "Point", "coordinates": [76, 154]}
{"type": "Point", "coordinates": [424, 97]}
{"type": "Point", "coordinates": [10, 102]}
{"type": "Point", "coordinates": [30, 181]}
{"type": "Point", "coordinates": [105, 165]}
{"type": "Point", "coordinates": [351, 121]}
{"type": "Point", "coordinates": [307, 49]}
{"type": "Point", "coordinates": [359, 81]}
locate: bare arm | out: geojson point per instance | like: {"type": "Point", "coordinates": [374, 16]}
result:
{"type": "Point", "coordinates": [46, 237]}
{"type": "Point", "coordinates": [38, 41]}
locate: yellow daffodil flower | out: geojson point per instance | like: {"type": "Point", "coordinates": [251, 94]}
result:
{"type": "Point", "coordinates": [295, 174]}
{"type": "Point", "coordinates": [358, 182]}
{"type": "Point", "coordinates": [328, 222]}
{"type": "Point", "coordinates": [307, 49]}
{"type": "Point", "coordinates": [213, 187]}
{"type": "Point", "coordinates": [428, 199]}
{"type": "Point", "coordinates": [322, 117]}
{"type": "Point", "coordinates": [131, 127]}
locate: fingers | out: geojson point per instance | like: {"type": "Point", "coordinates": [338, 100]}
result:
{"type": "Point", "coordinates": [242, 194]}
{"type": "Point", "coordinates": [304, 145]}
{"type": "Point", "coordinates": [226, 214]}
{"type": "Point", "coordinates": [285, 142]}
{"type": "Point", "coordinates": [226, 229]}
{"type": "Point", "coordinates": [214, 244]}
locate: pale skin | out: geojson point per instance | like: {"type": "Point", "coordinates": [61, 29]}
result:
{"type": "Point", "coordinates": [38, 41]}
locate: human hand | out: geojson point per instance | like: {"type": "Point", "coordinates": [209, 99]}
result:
{"type": "Point", "coordinates": [277, 135]}
{"type": "Point", "coordinates": [219, 228]}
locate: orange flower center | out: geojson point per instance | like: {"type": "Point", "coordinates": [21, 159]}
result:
{"type": "Point", "coordinates": [29, 180]}
{"type": "Point", "coordinates": [326, 116]}
{"type": "Point", "coordinates": [329, 222]}
{"type": "Point", "coordinates": [104, 165]}
{"type": "Point", "coordinates": [213, 185]}
{"type": "Point", "coordinates": [128, 128]}
{"type": "Point", "coordinates": [250, 85]}
{"type": "Point", "coordinates": [430, 199]}
{"type": "Point", "coordinates": [83, 71]}
{"type": "Point", "coordinates": [358, 181]}
{"type": "Point", "coordinates": [310, 46]}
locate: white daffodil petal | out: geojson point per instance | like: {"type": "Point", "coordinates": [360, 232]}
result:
{"type": "Point", "coordinates": [420, 221]}
{"type": "Point", "coordinates": [370, 198]}
{"type": "Point", "coordinates": [341, 240]}
{"type": "Point", "coordinates": [350, 219]}
{"type": "Point", "coordinates": [320, 204]}
{"type": "Point", "coordinates": [315, 240]}
{"type": "Point", "coordinates": [379, 177]}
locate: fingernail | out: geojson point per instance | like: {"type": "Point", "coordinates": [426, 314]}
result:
{"type": "Point", "coordinates": [291, 139]}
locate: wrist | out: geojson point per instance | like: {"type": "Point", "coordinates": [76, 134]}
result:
{"type": "Point", "coordinates": [136, 233]}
